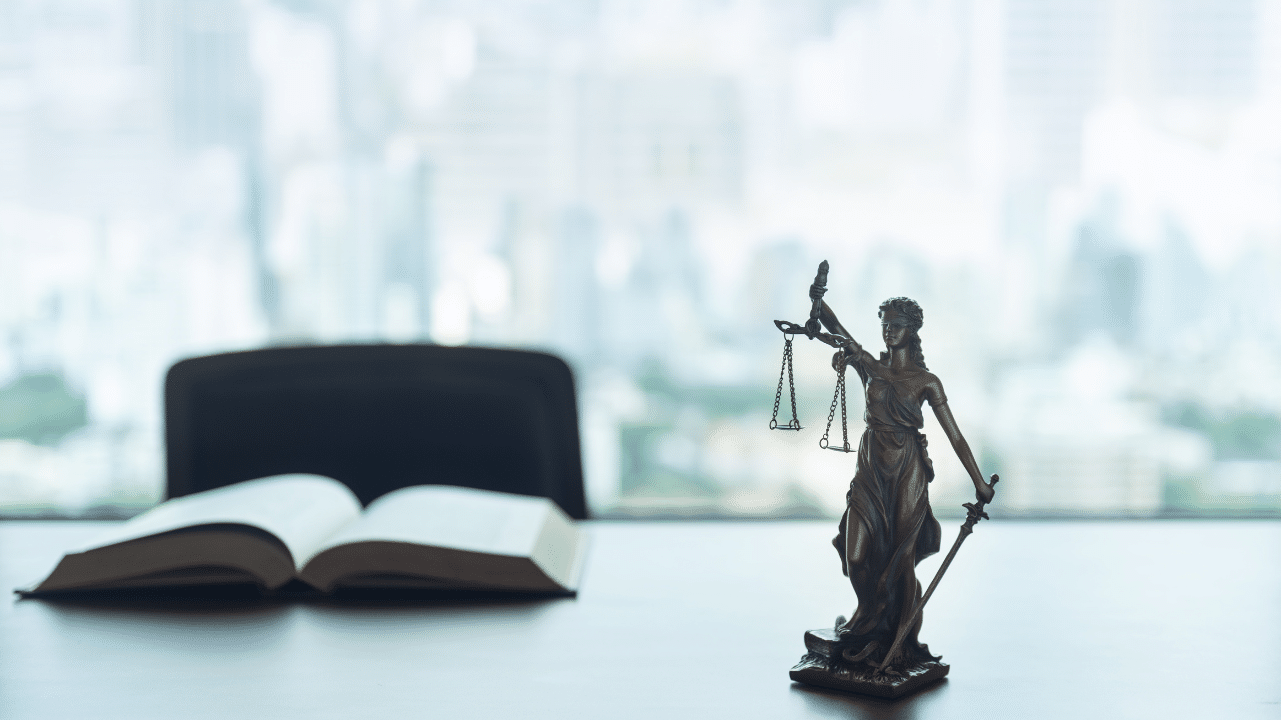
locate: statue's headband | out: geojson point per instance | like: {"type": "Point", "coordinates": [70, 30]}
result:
{"type": "Point", "coordinates": [908, 308]}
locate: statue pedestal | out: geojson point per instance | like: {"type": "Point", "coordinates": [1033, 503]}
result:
{"type": "Point", "coordinates": [823, 666]}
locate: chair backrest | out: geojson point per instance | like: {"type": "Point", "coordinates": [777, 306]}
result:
{"type": "Point", "coordinates": [377, 418]}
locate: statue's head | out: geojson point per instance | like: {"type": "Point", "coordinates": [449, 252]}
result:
{"type": "Point", "coordinates": [901, 318]}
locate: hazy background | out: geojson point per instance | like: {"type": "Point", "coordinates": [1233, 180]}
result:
{"type": "Point", "coordinates": [1084, 196]}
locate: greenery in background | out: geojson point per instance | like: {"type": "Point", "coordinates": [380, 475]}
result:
{"type": "Point", "coordinates": [40, 409]}
{"type": "Point", "coordinates": [1247, 435]}
{"type": "Point", "coordinates": [1241, 435]}
{"type": "Point", "coordinates": [645, 474]}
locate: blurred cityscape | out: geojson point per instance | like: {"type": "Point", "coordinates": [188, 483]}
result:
{"type": "Point", "coordinates": [1084, 196]}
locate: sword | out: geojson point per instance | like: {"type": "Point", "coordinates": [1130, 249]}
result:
{"type": "Point", "coordinates": [973, 513]}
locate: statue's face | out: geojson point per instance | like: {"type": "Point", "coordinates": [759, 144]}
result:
{"type": "Point", "coordinates": [894, 329]}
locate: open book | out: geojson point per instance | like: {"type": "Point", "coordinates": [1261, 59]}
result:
{"type": "Point", "coordinates": [273, 530]}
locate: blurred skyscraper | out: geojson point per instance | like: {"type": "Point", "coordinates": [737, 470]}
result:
{"type": "Point", "coordinates": [1084, 195]}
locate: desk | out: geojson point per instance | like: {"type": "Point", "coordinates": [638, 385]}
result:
{"type": "Point", "coordinates": [698, 620]}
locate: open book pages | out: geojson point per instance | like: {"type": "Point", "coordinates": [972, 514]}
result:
{"type": "Point", "coordinates": [272, 530]}
{"type": "Point", "coordinates": [246, 532]}
{"type": "Point", "coordinates": [432, 535]}
{"type": "Point", "coordinates": [299, 510]}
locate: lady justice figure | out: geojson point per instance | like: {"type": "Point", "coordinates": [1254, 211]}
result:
{"type": "Point", "coordinates": [888, 526]}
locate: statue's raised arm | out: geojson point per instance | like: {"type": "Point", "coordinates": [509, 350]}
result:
{"type": "Point", "coordinates": [821, 316]}
{"type": "Point", "coordinates": [821, 313]}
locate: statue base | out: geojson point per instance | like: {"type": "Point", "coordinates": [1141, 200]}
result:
{"type": "Point", "coordinates": [823, 666]}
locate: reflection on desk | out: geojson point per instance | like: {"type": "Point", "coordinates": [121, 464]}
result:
{"type": "Point", "coordinates": [698, 620]}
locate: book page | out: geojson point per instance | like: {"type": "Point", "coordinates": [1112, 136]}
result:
{"type": "Point", "coordinates": [451, 517]}
{"type": "Point", "coordinates": [301, 510]}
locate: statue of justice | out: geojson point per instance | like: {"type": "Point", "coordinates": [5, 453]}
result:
{"type": "Point", "coordinates": [888, 526]}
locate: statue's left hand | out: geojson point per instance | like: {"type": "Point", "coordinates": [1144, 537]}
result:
{"type": "Point", "coordinates": [985, 492]}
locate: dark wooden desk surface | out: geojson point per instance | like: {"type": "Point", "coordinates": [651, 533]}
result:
{"type": "Point", "coordinates": [702, 620]}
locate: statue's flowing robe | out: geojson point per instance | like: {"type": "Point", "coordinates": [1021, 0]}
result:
{"type": "Point", "coordinates": [888, 518]}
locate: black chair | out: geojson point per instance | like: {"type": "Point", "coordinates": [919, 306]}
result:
{"type": "Point", "coordinates": [377, 418]}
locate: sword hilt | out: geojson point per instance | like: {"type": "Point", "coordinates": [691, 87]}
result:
{"type": "Point", "coordinates": [974, 511]}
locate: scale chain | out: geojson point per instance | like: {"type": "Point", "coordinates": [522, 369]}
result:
{"type": "Point", "coordinates": [791, 385]}
{"type": "Point", "coordinates": [838, 396]}
{"type": "Point", "coordinates": [785, 369]}
{"type": "Point", "coordinates": [845, 428]}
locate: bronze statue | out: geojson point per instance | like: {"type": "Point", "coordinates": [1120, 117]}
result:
{"type": "Point", "coordinates": [888, 526]}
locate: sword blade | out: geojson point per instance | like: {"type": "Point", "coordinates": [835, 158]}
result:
{"type": "Point", "coordinates": [973, 515]}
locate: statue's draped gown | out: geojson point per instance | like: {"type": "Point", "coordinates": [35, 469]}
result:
{"type": "Point", "coordinates": [888, 510]}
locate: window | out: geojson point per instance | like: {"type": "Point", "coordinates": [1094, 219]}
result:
{"type": "Point", "coordinates": [1084, 198]}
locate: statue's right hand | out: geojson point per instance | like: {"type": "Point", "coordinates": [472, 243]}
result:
{"type": "Point", "coordinates": [817, 292]}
